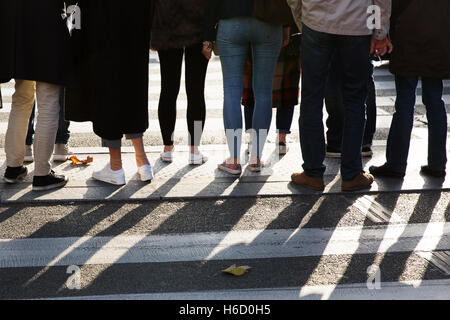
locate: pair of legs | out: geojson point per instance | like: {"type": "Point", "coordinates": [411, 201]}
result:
{"type": "Point", "coordinates": [171, 61]}
{"type": "Point", "coordinates": [115, 152]}
{"type": "Point", "coordinates": [335, 106]}
{"type": "Point", "coordinates": [63, 133]}
{"type": "Point", "coordinates": [402, 123]}
{"type": "Point", "coordinates": [48, 102]}
{"type": "Point", "coordinates": [233, 39]}
{"type": "Point", "coordinates": [318, 49]}
{"type": "Point", "coordinates": [47, 96]}
{"type": "Point", "coordinates": [283, 121]}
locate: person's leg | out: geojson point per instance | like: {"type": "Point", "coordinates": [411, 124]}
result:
{"type": "Point", "coordinates": [115, 153]}
{"type": "Point", "coordinates": [334, 105]}
{"type": "Point", "coordinates": [139, 148]}
{"type": "Point", "coordinates": [21, 108]}
{"type": "Point", "coordinates": [432, 90]}
{"type": "Point", "coordinates": [232, 41]}
{"type": "Point", "coordinates": [113, 172]}
{"type": "Point", "coordinates": [399, 138]}
{"type": "Point", "coordinates": [248, 116]}
{"type": "Point", "coordinates": [371, 106]}
{"type": "Point", "coordinates": [115, 158]}
{"type": "Point", "coordinates": [46, 126]}
{"type": "Point", "coordinates": [284, 122]}
{"type": "Point", "coordinates": [196, 67]}
{"type": "Point", "coordinates": [354, 53]}
{"type": "Point", "coordinates": [317, 50]}
{"type": "Point", "coordinates": [30, 132]}
{"type": "Point", "coordinates": [63, 133]}
{"type": "Point", "coordinates": [30, 137]}
{"type": "Point", "coordinates": [171, 62]}
{"type": "Point", "coordinates": [144, 167]}
{"type": "Point", "coordinates": [62, 151]}
{"type": "Point", "coordinates": [266, 45]}
{"type": "Point", "coordinates": [284, 119]}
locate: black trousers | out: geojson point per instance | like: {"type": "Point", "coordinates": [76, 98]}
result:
{"type": "Point", "coordinates": [195, 68]}
{"type": "Point", "coordinates": [334, 103]}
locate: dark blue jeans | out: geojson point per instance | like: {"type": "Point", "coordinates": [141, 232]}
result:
{"type": "Point", "coordinates": [403, 119]}
{"type": "Point", "coordinates": [284, 119]}
{"type": "Point", "coordinates": [317, 52]}
{"type": "Point", "coordinates": [63, 134]}
{"type": "Point", "coordinates": [335, 106]}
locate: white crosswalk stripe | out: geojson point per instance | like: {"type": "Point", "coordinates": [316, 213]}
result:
{"type": "Point", "coordinates": [233, 245]}
{"type": "Point", "coordinates": [405, 290]}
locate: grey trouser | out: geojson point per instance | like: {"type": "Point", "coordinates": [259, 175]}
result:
{"type": "Point", "coordinates": [47, 97]}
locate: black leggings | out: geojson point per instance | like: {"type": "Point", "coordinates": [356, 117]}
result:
{"type": "Point", "coordinates": [196, 65]}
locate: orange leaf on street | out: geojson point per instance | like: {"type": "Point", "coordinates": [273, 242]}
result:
{"type": "Point", "coordinates": [78, 162]}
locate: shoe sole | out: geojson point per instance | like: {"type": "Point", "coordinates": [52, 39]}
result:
{"type": "Point", "coordinates": [19, 178]}
{"type": "Point", "coordinates": [50, 187]}
{"type": "Point", "coordinates": [252, 169]}
{"type": "Point", "coordinates": [145, 180]}
{"type": "Point", "coordinates": [168, 160]}
{"type": "Point", "coordinates": [59, 158]}
{"type": "Point", "coordinates": [230, 171]}
{"type": "Point", "coordinates": [108, 181]}
{"type": "Point", "coordinates": [197, 162]}
{"type": "Point", "coordinates": [308, 186]}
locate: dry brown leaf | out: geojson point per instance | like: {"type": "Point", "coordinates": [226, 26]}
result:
{"type": "Point", "coordinates": [78, 162]}
{"type": "Point", "coordinates": [237, 271]}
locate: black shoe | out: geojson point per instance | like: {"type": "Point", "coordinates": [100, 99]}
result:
{"type": "Point", "coordinates": [15, 174]}
{"type": "Point", "coordinates": [366, 151]}
{"type": "Point", "coordinates": [433, 173]}
{"type": "Point", "coordinates": [52, 181]}
{"type": "Point", "coordinates": [384, 171]}
{"type": "Point", "coordinates": [333, 152]}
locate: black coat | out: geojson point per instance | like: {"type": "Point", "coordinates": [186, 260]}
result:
{"type": "Point", "coordinates": [111, 67]}
{"type": "Point", "coordinates": [420, 32]}
{"type": "Point", "coordinates": [35, 42]}
{"type": "Point", "coordinates": [177, 24]}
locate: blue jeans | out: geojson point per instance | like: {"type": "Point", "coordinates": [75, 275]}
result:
{"type": "Point", "coordinates": [317, 52]}
{"type": "Point", "coordinates": [233, 38]}
{"type": "Point", "coordinates": [335, 107]}
{"type": "Point", "coordinates": [63, 134]}
{"type": "Point", "coordinates": [403, 119]}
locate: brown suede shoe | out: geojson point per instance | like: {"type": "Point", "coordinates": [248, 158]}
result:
{"type": "Point", "coordinates": [361, 181]}
{"type": "Point", "coordinates": [303, 180]}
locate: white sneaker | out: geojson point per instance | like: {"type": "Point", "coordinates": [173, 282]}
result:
{"type": "Point", "coordinates": [109, 176]}
{"type": "Point", "coordinates": [145, 173]}
{"type": "Point", "coordinates": [167, 156]}
{"type": "Point", "coordinates": [197, 158]}
{"type": "Point", "coordinates": [28, 154]}
{"type": "Point", "coordinates": [61, 153]}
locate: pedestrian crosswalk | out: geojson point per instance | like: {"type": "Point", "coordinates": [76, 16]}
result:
{"type": "Point", "coordinates": [163, 251]}
{"type": "Point", "coordinates": [170, 240]}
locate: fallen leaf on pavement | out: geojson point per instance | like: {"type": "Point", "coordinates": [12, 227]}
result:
{"type": "Point", "coordinates": [237, 271]}
{"type": "Point", "coordinates": [78, 162]}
